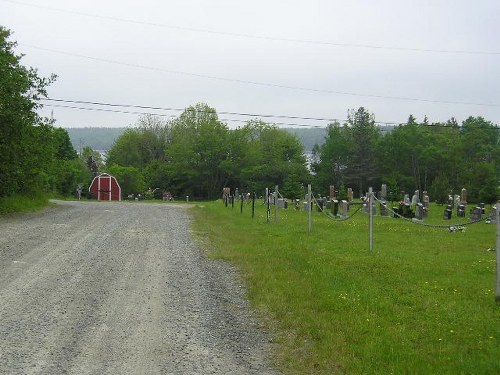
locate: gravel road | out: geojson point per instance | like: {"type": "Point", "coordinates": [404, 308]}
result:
{"type": "Point", "coordinates": [120, 288]}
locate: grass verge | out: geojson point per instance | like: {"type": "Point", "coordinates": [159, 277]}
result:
{"type": "Point", "coordinates": [19, 203]}
{"type": "Point", "coordinates": [422, 302]}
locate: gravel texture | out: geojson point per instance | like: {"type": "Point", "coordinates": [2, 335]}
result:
{"type": "Point", "coordinates": [120, 288]}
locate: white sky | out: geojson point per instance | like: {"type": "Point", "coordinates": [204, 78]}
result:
{"type": "Point", "coordinates": [153, 42]}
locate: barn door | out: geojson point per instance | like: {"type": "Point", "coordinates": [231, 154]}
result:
{"type": "Point", "coordinates": [104, 188]}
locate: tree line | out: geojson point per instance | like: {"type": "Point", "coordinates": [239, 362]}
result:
{"type": "Point", "coordinates": [35, 157]}
{"type": "Point", "coordinates": [440, 158]}
{"type": "Point", "coordinates": [197, 154]}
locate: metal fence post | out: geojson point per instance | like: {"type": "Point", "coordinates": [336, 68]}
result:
{"type": "Point", "coordinates": [370, 215]}
{"type": "Point", "coordinates": [309, 208]}
{"type": "Point", "coordinates": [497, 217]}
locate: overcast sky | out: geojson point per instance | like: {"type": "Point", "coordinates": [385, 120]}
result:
{"type": "Point", "coordinates": [317, 58]}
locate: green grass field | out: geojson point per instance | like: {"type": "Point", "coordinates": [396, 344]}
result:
{"type": "Point", "coordinates": [421, 303]}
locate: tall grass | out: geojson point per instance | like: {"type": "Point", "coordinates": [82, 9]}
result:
{"type": "Point", "coordinates": [20, 203]}
{"type": "Point", "coordinates": [421, 303]}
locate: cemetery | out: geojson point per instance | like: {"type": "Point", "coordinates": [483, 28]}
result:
{"type": "Point", "coordinates": [422, 299]}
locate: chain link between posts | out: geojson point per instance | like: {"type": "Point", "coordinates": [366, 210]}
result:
{"type": "Point", "coordinates": [330, 216]}
{"type": "Point", "coordinates": [394, 213]}
{"type": "Point", "coordinates": [449, 227]}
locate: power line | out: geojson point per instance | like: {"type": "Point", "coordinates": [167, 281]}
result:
{"type": "Point", "coordinates": [182, 109]}
{"type": "Point", "coordinates": [255, 115]}
{"type": "Point", "coordinates": [252, 36]}
{"type": "Point", "coordinates": [244, 114]}
{"type": "Point", "coordinates": [257, 83]}
{"type": "Point", "coordinates": [170, 116]}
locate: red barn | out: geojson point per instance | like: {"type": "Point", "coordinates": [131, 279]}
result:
{"type": "Point", "coordinates": [105, 188]}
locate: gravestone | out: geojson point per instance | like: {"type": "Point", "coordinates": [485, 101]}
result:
{"type": "Point", "coordinates": [383, 192]}
{"type": "Point", "coordinates": [475, 214]}
{"type": "Point", "coordinates": [447, 213]}
{"type": "Point", "coordinates": [481, 206]}
{"type": "Point", "coordinates": [281, 203]}
{"type": "Point", "coordinates": [296, 204]}
{"type": "Point", "coordinates": [405, 210]}
{"type": "Point", "coordinates": [406, 200]}
{"type": "Point", "coordinates": [456, 200]}
{"type": "Point", "coordinates": [344, 209]}
{"type": "Point", "coordinates": [425, 212]}
{"type": "Point", "coordinates": [419, 211]}
{"type": "Point", "coordinates": [463, 196]}
{"type": "Point", "coordinates": [415, 198]}
{"type": "Point", "coordinates": [461, 210]}
{"type": "Point", "coordinates": [335, 207]}
{"type": "Point", "coordinates": [425, 199]}
{"type": "Point", "coordinates": [236, 194]}
{"type": "Point", "coordinates": [332, 192]}
{"type": "Point", "coordinates": [350, 195]}
{"type": "Point", "coordinates": [383, 209]}
{"type": "Point", "coordinates": [328, 204]}
{"type": "Point", "coordinates": [493, 215]}
{"type": "Point", "coordinates": [320, 205]}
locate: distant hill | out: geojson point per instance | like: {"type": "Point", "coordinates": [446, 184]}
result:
{"type": "Point", "coordinates": [97, 138]}
{"type": "Point", "coordinates": [309, 136]}
{"type": "Point", "coordinates": [102, 139]}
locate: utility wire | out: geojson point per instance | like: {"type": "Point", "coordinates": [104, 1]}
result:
{"type": "Point", "coordinates": [254, 115]}
{"type": "Point", "coordinates": [257, 83]}
{"type": "Point", "coordinates": [260, 37]}
{"type": "Point", "coordinates": [169, 116]}
{"type": "Point", "coordinates": [245, 114]}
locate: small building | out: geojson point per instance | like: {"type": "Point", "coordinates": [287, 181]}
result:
{"type": "Point", "coordinates": [105, 188]}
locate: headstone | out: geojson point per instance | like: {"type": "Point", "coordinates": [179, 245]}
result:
{"type": "Point", "coordinates": [405, 210]}
{"type": "Point", "coordinates": [296, 204]}
{"type": "Point", "coordinates": [332, 192]}
{"type": "Point", "coordinates": [461, 210]}
{"type": "Point", "coordinates": [463, 196]}
{"type": "Point", "coordinates": [236, 194]}
{"type": "Point", "coordinates": [350, 195]}
{"type": "Point", "coordinates": [414, 199]}
{"type": "Point", "coordinates": [383, 209]}
{"type": "Point", "coordinates": [450, 200]}
{"type": "Point", "coordinates": [226, 193]}
{"type": "Point", "coordinates": [456, 200]}
{"type": "Point", "coordinates": [328, 204]}
{"type": "Point", "coordinates": [320, 204]}
{"type": "Point", "coordinates": [481, 206]}
{"type": "Point", "coordinates": [419, 211]}
{"type": "Point", "coordinates": [425, 199]}
{"type": "Point", "coordinates": [475, 214]}
{"type": "Point", "coordinates": [335, 207]}
{"type": "Point", "coordinates": [406, 199]}
{"type": "Point", "coordinates": [425, 212]}
{"type": "Point", "coordinates": [383, 192]}
{"type": "Point", "coordinates": [344, 208]}
{"type": "Point", "coordinates": [281, 203]}
{"type": "Point", "coordinates": [447, 214]}
{"type": "Point", "coordinates": [493, 215]}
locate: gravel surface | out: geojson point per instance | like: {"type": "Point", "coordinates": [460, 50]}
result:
{"type": "Point", "coordinates": [120, 288]}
